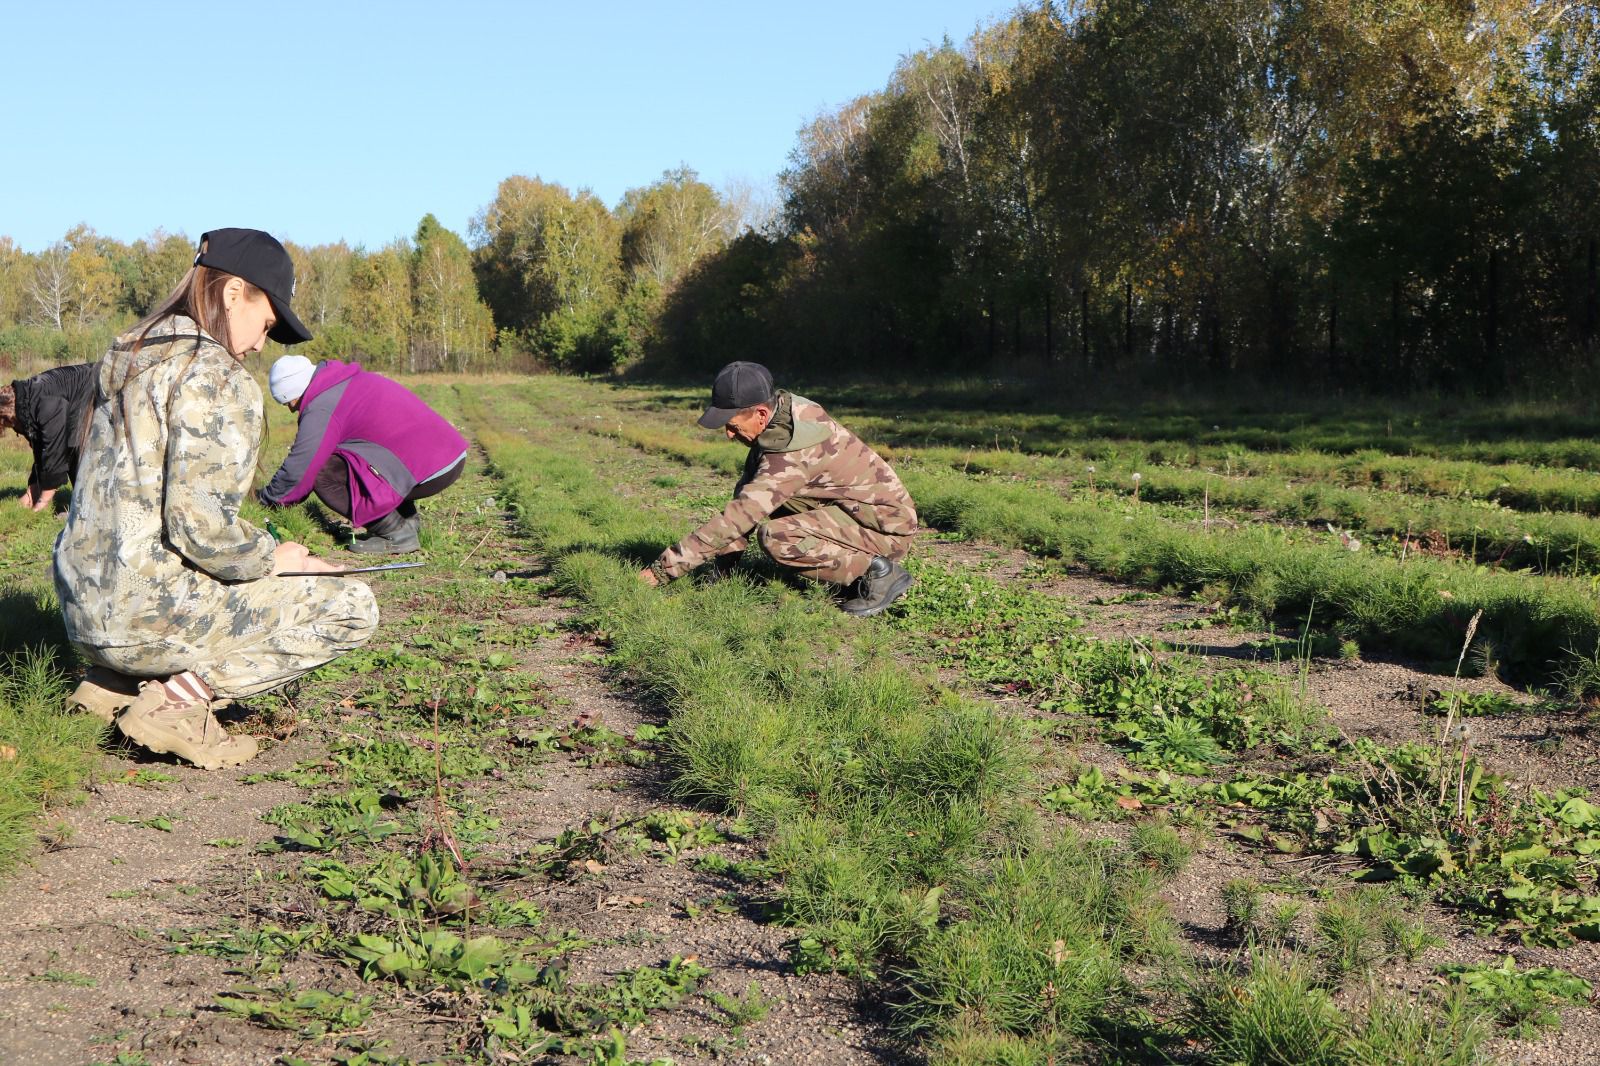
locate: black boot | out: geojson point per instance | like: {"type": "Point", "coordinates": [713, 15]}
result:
{"type": "Point", "coordinates": [393, 534]}
{"type": "Point", "coordinates": [882, 584]}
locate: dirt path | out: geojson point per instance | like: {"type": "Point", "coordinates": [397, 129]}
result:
{"type": "Point", "coordinates": [122, 935]}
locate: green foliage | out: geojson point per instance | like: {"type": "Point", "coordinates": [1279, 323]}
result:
{"type": "Point", "coordinates": [451, 329]}
{"type": "Point", "coordinates": [308, 1012]}
{"type": "Point", "coordinates": [1523, 1001]}
{"type": "Point", "coordinates": [1161, 847]}
{"type": "Point", "coordinates": [429, 958]}
{"type": "Point", "coordinates": [1241, 907]}
{"type": "Point", "coordinates": [545, 1013]}
{"type": "Point", "coordinates": [334, 821]}
{"type": "Point", "coordinates": [1275, 213]}
{"type": "Point", "coordinates": [262, 949]}
{"type": "Point", "coordinates": [1474, 704]}
{"type": "Point", "coordinates": [1353, 932]}
{"type": "Point", "coordinates": [428, 888]}
{"type": "Point", "coordinates": [1164, 712]}
{"type": "Point", "coordinates": [1061, 920]}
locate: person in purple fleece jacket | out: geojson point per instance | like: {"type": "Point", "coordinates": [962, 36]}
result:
{"type": "Point", "coordinates": [367, 446]}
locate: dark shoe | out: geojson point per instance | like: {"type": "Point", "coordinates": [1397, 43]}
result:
{"type": "Point", "coordinates": [396, 538]}
{"type": "Point", "coordinates": [882, 584]}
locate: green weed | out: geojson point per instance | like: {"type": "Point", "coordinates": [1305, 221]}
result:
{"type": "Point", "coordinates": [310, 1012]}
{"type": "Point", "coordinates": [65, 977]}
{"type": "Point", "coordinates": [747, 1008]}
{"type": "Point", "coordinates": [1522, 1001]}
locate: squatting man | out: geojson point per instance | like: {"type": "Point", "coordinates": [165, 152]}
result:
{"type": "Point", "coordinates": [817, 498]}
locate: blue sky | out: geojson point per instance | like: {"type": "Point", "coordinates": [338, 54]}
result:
{"type": "Point", "coordinates": [328, 120]}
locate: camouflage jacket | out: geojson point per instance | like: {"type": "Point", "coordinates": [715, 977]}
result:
{"type": "Point", "coordinates": [804, 460]}
{"type": "Point", "coordinates": [154, 523]}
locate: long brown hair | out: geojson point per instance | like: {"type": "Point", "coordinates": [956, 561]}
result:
{"type": "Point", "coordinates": [8, 407]}
{"type": "Point", "coordinates": [198, 296]}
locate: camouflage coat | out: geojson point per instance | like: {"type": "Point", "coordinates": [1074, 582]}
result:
{"type": "Point", "coordinates": [803, 461]}
{"type": "Point", "coordinates": [154, 527]}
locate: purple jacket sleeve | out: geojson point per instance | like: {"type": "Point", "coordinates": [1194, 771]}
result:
{"type": "Point", "coordinates": [312, 447]}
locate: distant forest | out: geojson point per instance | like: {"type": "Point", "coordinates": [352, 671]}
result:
{"type": "Point", "coordinates": [1369, 193]}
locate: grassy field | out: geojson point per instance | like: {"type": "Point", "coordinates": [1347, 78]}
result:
{"type": "Point", "coordinates": [1019, 836]}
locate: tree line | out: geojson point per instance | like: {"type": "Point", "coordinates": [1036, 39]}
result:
{"type": "Point", "coordinates": [552, 277]}
{"type": "Point", "coordinates": [1383, 193]}
{"type": "Point", "coordinates": [1356, 191]}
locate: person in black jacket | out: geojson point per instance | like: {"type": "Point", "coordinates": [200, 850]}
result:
{"type": "Point", "coordinates": [50, 410]}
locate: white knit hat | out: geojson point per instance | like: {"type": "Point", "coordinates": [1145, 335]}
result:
{"type": "Point", "coordinates": [289, 377]}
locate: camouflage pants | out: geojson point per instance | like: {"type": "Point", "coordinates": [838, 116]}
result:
{"type": "Point", "coordinates": [256, 636]}
{"type": "Point", "coordinates": [827, 544]}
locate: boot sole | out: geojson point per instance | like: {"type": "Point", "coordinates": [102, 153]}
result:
{"type": "Point", "coordinates": [896, 590]}
{"type": "Point", "coordinates": [151, 738]}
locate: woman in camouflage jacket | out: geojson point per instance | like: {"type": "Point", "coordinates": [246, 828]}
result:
{"type": "Point", "coordinates": [164, 588]}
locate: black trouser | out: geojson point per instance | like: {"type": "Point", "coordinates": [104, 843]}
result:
{"type": "Point", "coordinates": [333, 489]}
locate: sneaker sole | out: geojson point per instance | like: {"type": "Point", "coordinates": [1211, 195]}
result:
{"type": "Point", "coordinates": [896, 590]}
{"type": "Point", "coordinates": [152, 738]}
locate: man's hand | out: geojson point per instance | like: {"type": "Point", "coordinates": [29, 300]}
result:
{"type": "Point", "coordinates": [43, 499]}
{"type": "Point", "coordinates": [648, 576]}
{"type": "Point", "coordinates": [291, 557]}
{"type": "Point", "coordinates": [26, 499]}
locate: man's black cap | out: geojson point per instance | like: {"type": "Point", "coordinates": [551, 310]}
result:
{"type": "Point", "coordinates": [738, 385]}
{"type": "Point", "coordinates": [258, 258]}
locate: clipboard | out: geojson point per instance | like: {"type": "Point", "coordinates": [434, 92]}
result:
{"type": "Point", "coordinates": [352, 570]}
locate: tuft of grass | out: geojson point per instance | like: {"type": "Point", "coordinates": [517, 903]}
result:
{"type": "Point", "coordinates": [1411, 1031]}
{"type": "Point", "coordinates": [1040, 952]}
{"type": "Point", "coordinates": [1351, 934]}
{"type": "Point", "coordinates": [45, 754]}
{"type": "Point", "coordinates": [1162, 847]}
{"type": "Point", "coordinates": [747, 1008]}
{"type": "Point", "coordinates": [1274, 1014]}
{"type": "Point", "coordinates": [1241, 908]}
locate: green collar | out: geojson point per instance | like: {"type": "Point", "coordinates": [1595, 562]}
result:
{"type": "Point", "coordinates": [784, 433]}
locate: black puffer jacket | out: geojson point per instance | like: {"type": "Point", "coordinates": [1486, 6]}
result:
{"type": "Point", "coordinates": [52, 412]}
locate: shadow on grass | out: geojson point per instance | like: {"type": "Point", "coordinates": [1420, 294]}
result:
{"type": "Point", "coordinates": [639, 551]}
{"type": "Point", "coordinates": [33, 620]}
{"type": "Point", "coordinates": [335, 526]}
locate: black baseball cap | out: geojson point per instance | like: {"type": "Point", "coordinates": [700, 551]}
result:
{"type": "Point", "coordinates": [738, 385]}
{"type": "Point", "coordinates": [258, 258]}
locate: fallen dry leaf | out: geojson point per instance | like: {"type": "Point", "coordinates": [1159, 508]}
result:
{"type": "Point", "coordinates": [1129, 803]}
